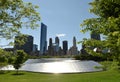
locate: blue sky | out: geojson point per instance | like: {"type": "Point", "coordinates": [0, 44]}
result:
{"type": "Point", "coordinates": [63, 18]}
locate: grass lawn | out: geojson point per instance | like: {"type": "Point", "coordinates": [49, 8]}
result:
{"type": "Point", "coordinates": [106, 76]}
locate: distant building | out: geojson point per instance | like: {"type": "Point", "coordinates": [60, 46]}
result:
{"type": "Point", "coordinates": [57, 40]}
{"type": "Point", "coordinates": [56, 44]}
{"type": "Point", "coordinates": [65, 47]}
{"type": "Point", "coordinates": [43, 39]}
{"type": "Point", "coordinates": [28, 43]}
{"type": "Point", "coordinates": [35, 47]}
{"type": "Point", "coordinates": [74, 41]}
{"type": "Point", "coordinates": [83, 51]}
{"type": "Point", "coordinates": [50, 48]}
{"type": "Point", "coordinates": [54, 49]}
{"type": "Point", "coordinates": [35, 51]}
{"type": "Point", "coordinates": [73, 50]}
{"type": "Point", "coordinates": [95, 36]}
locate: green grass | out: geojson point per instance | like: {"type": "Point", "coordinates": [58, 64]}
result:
{"type": "Point", "coordinates": [106, 76]}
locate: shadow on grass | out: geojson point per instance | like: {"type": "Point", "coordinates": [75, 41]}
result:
{"type": "Point", "coordinates": [18, 74]}
{"type": "Point", "coordinates": [4, 72]}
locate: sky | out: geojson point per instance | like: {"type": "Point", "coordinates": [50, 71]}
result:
{"type": "Point", "coordinates": [63, 19]}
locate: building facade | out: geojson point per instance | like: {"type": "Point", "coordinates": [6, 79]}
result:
{"type": "Point", "coordinates": [50, 48]}
{"type": "Point", "coordinates": [56, 44]}
{"type": "Point", "coordinates": [43, 39]}
{"type": "Point", "coordinates": [35, 47]}
{"type": "Point", "coordinates": [95, 36]}
{"type": "Point", "coordinates": [28, 43]}
{"type": "Point", "coordinates": [73, 50]}
{"type": "Point", "coordinates": [65, 47]}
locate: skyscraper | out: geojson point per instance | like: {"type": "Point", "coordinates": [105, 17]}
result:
{"type": "Point", "coordinates": [73, 50]}
{"type": "Point", "coordinates": [27, 46]}
{"type": "Point", "coordinates": [50, 42]}
{"type": "Point", "coordinates": [74, 41]}
{"type": "Point", "coordinates": [65, 47]}
{"type": "Point", "coordinates": [50, 48]}
{"type": "Point", "coordinates": [57, 40]}
{"type": "Point", "coordinates": [35, 47]}
{"type": "Point", "coordinates": [43, 39]}
{"type": "Point", "coordinates": [57, 44]}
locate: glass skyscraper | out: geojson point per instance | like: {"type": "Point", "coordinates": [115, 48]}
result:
{"type": "Point", "coordinates": [43, 39]}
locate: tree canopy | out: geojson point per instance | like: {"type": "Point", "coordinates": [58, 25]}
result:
{"type": "Point", "coordinates": [21, 57]}
{"type": "Point", "coordinates": [16, 14]}
{"type": "Point", "coordinates": [106, 23]}
{"type": "Point", "coordinates": [6, 57]}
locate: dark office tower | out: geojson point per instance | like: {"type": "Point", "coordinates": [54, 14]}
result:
{"type": "Point", "coordinates": [73, 50]}
{"type": "Point", "coordinates": [65, 47]}
{"type": "Point", "coordinates": [74, 41]}
{"type": "Point", "coordinates": [43, 39]}
{"type": "Point", "coordinates": [95, 36]}
{"type": "Point", "coordinates": [50, 42]}
{"type": "Point", "coordinates": [50, 48]}
{"type": "Point", "coordinates": [35, 47]}
{"type": "Point", "coordinates": [27, 46]}
{"type": "Point", "coordinates": [57, 44]}
{"type": "Point", "coordinates": [57, 40]}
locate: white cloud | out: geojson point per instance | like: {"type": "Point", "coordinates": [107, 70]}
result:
{"type": "Point", "coordinates": [60, 35]}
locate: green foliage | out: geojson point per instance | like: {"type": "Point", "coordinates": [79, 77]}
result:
{"type": "Point", "coordinates": [3, 58]}
{"type": "Point", "coordinates": [110, 65]}
{"type": "Point", "coordinates": [20, 59]}
{"type": "Point", "coordinates": [6, 58]}
{"type": "Point", "coordinates": [89, 57]}
{"type": "Point", "coordinates": [11, 60]}
{"type": "Point", "coordinates": [2, 2]}
{"type": "Point", "coordinates": [107, 24]}
{"type": "Point", "coordinates": [106, 8]}
{"type": "Point", "coordinates": [15, 14]}
{"type": "Point", "coordinates": [20, 40]}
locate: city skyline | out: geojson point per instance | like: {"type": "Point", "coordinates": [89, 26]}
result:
{"type": "Point", "coordinates": [63, 19]}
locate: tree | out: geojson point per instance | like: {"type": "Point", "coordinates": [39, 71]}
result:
{"type": "Point", "coordinates": [3, 58]}
{"type": "Point", "coordinates": [6, 58]}
{"type": "Point", "coordinates": [21, 57]}
{"type": "Point", "coordinates": [16, 14]}
{"type": "Point", "coordinates": [107, 23]}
